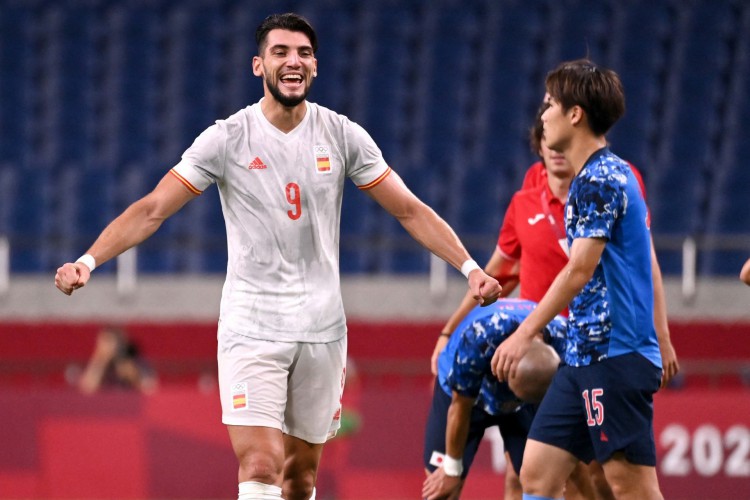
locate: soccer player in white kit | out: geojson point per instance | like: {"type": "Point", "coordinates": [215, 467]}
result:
{"type": "Point", "coordinates": [280, 166]}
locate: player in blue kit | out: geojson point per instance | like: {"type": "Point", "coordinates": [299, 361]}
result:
{"type": "Point", "coordinates": [468, 399]}
{"type": "Point", "coordinates": [600, 404]}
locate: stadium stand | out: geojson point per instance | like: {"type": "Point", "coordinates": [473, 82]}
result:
{"type": "Point", "coordinates": [98, 98]}
{"type": "Point", "coordinates": [109, 93]}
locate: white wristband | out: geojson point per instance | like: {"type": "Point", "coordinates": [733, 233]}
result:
{"type": "Point", "coordinates": [468, 267]}
{"type": "Point", "coordinates": [88, 261]}
{"type": "Point", "coordinates": [453, 467]}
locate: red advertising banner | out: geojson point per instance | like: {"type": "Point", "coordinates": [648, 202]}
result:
{"type": "Point", "coordinates": [56, 443]}
{"type": "Point", "coordinates": [703, 443]}
{"type": "Point", "coordinates": [59, 444]}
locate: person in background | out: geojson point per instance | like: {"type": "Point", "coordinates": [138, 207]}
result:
{"type": "Point", "coordinates": [526, 251]}
{"type": "Point", "coordinates": [537, 175]}
{"type": "Point", "coordinates": [116, 363]}
{"type": "Point", "coordinates": [467, 398]}
{"type": "Point", "coordinates": [530, 250]}
{"type": "Point", "coordinates": [533, 247]}
{"type": "Point", "coordinates": [600, 403]}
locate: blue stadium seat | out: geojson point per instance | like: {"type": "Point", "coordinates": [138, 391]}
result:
{"type": "Point", "coordinates": [340, 41]}
{"type": "Point", "coordinates": [585, 29]}
{"type": "Point", "coordinates": [111, 94]}
{"type": "Point", "coordinates": [726, 218]}
{"type": "Point", "coordinates": [9, 203]}
{"type": "Point", "coordinates": [26, 228]}
{"type": "Point", "coordinates": [677, 202]}
{"type": "Point", "coordinates": [16, 52]}
{"type": "Point", "coordinates": [485, 196]}
{"type": "Point", "coordinates": [731, 187]}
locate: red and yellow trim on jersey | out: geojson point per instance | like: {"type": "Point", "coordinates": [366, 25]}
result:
{"type": "Point", "coordinates": [377, 181]}
{"type": "Point", "coordinates": [186, 183]}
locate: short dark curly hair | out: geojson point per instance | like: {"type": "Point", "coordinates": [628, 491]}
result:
{"type": "Point", "coordinates": [289, 21]}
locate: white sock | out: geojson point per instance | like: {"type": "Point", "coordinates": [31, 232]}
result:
{"type": "Point", "coordinates": [252, 490]}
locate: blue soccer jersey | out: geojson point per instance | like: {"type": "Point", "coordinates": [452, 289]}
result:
{"type": "Point", "coordinates": [464, 364]}
{"type": "Point", "coordinates": [613, 314]}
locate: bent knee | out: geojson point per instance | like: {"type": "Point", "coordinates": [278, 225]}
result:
{"type": "Point", "coordinates": [535, 481]}
{"type": "Point", "coordinates": [260, 467]}
{"type": "Point", "coordinates": [530, 480]}
{"type": "Point", "coordinates": [299, 488]}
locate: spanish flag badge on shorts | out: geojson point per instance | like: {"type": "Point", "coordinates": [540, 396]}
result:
{"type": "Point", "coordinates": [239, 396]}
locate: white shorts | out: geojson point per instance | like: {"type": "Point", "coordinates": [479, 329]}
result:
{"type": "Point", "coordinates": [292, 386]}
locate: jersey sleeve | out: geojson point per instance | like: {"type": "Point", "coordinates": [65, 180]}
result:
{"type": "Point", "coordinates": [365, 165]}
{"type": "Point", "coordinates": [203, 162]}
{"type": "Point", "coordinates": [507, 241]}
{"type": "Point", "coordinates": [555, 334]}
{"type": "Point", "coordinates": [600, 202]}
{"type": "Point", "coordinates": [469, 365]}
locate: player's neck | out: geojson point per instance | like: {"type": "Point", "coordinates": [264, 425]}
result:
{"type": "Point", "coordinates": [282, 117]}
{"type": "Point", "coordinates": [581, 149]}
{"type": "Point", "coordinates": [559, 186]}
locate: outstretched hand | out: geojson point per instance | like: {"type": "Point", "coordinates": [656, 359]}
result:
{"type": "Point", "coordinates": [71, 277]}
{"type": "Point", "coordinates": [484, 288]}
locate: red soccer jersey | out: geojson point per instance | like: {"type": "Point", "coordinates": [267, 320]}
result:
{"type": "Point", "coordinates": [534, 232]}
{"type": "Point", "coordinates": [535, 176]}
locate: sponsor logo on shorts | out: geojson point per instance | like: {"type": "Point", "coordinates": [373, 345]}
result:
{"type": "Point", "coordinates": [239, 396]}
{"type": "Point", "coordinates": [436, 459]}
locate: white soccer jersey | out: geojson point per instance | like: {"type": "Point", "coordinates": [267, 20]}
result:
{"type": "Point", "coordinates": [281, 197]}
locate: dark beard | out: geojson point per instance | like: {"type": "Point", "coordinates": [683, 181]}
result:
{"type": "Point", "coordinates": [286, 101]}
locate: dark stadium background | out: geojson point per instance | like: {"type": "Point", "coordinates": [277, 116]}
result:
{"type": "Point", "coordinates": [99, 98]}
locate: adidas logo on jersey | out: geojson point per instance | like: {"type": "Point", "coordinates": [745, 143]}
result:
{"type": "Point", "coordinates": [257, 164]}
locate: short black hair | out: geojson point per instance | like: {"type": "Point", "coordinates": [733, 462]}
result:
{"type": "Point", "coordinates": [598, 91]}
{"type": "Point", "coordinates": [288, 21]}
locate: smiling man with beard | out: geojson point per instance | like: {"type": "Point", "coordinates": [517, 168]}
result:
{"type": "Point", "coordinates": [280, 166]}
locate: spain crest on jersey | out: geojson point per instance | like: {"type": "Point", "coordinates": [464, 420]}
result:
{"type": "Point", "coordinates": [322, 158]}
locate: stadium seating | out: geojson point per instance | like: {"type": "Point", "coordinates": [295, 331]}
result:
{"type": "Point", "coordinates": [109, 94]}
